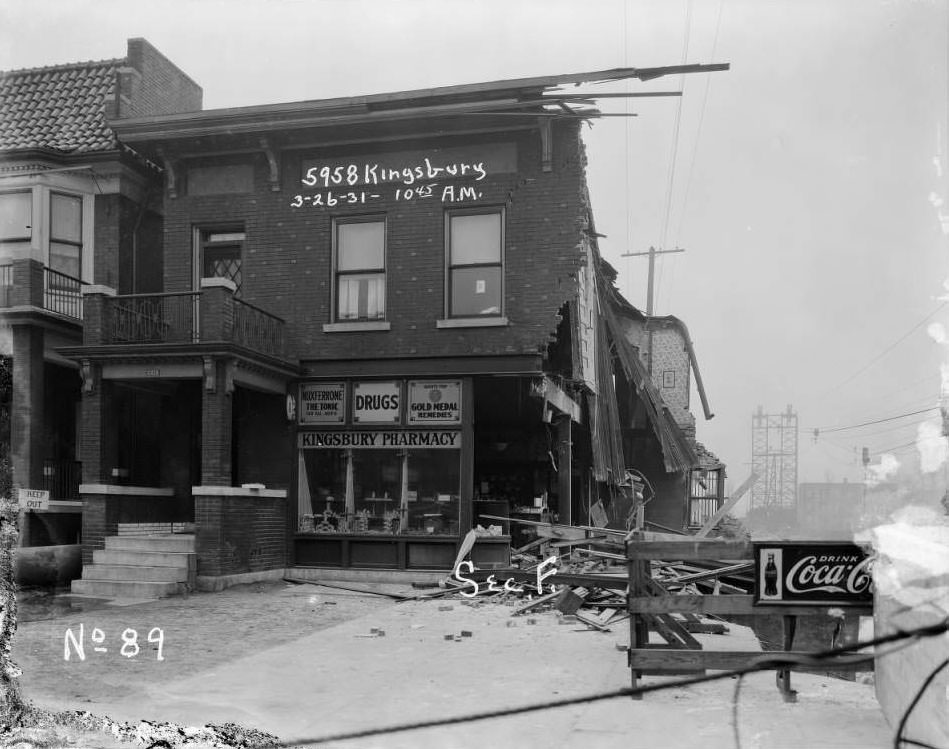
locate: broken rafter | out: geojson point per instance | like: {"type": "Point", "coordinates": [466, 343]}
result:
{"type": "Point", "coordinates": [591, 95]}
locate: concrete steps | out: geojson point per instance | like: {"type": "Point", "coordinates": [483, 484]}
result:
{"type": "Point", "coordinates": [139, 567]}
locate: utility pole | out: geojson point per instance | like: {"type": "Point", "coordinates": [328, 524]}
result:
{"type": "Point", "coordinates": [652, 270]}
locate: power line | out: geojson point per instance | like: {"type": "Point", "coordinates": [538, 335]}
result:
{"type": "Point", "coordinates": [883, 353]}
{"type": "Point", "coordinates": [824, 430]}
{"type": "Point", "coordinates": [675, 134]}
{"type": "Point", "coordinates": [698, 131]}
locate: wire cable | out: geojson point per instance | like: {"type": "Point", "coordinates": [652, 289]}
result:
{"type": "Point", "coordinates": [898, 740]}
{"type": "Point", "coordinates": [675, 150]}
{"type": "Point", "coordinates": [883, 353]}
{"type": "Point", "coordinates": [821, 430]}
{"type": "Point", "coordinates": [777, 662]}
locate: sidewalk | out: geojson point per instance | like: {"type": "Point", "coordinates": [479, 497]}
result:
{"type": "Point", "coordinates": [296, 661]}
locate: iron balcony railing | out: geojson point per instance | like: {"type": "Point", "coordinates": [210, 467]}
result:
{"type": "Point", "coordinates": [257, 329]}
{"type": "Point", "coordinates": [175, 317]}
{"type": "Point", "coordinates": [62, 294]}
{"type": "Point", "coordinates": [153, 318]}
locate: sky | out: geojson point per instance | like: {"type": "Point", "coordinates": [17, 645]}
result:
{"type": "Point", "coordinates": [806, 184]}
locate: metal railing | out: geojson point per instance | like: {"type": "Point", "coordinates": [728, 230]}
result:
{"type": "Point", "coordinates": [6, 284]}
{"type": "Point", "coordinates": [62, 294]}
{"type": "Point", "coordinates": [153, 318]}
{"type": "Point", "coordinates": [61, 478]}
{"type": "Point", "coordinates": [701, 509]}
{"type": "Point", "coordinates": [257, 329]}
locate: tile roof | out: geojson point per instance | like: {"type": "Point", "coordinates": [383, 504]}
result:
{"type": "Point", "coordinates": [59, 107]}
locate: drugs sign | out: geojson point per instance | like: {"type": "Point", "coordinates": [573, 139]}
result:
{"type": "Point", "coordinates": [822, 574]}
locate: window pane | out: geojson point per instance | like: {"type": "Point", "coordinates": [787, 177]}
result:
{"type": "Point", "coordinates": [360, 246]}
{"type": "Point", "coordinates": [377, 491]}
{"type": "Point", "coordinates": [65, 258]}
{"type": "Point", "coordinates": [362, 297]}
{"type": "Point", "coordinates": [65, 218]}
{"type": "Point", "coordinates": [322, 491]}
{"type": "Point", "coordinates": [475, 291]}
{"type": "Point", "coordinates": [16, 215]}
{"type": "Point", "coordinates": [433, 484]}
{"type": "Point", "coordinates": [223, 262]}
{"type": "Point", "coordinates": [475, 238]}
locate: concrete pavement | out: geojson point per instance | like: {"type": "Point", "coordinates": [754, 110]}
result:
{"type": "Point", "coordinates": [341, 679]}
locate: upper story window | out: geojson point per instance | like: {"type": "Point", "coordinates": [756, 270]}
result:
{"type": "Point", "coordinates": [221, 254]}
{"type": "Point", "coordinates": [360, 267]}
{"type": "Point", "coordinates": [65, 234]}
{"type": "Point", "coordinates": [16, 217]}
{"type": "Point", "coordinates": [475, 242]}
{"type": "Point", "coordinates": [706, 483]}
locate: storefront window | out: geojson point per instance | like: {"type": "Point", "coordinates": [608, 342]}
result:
{"type": "Point", "coordinates": [386, 491]}
{"type": "Point", "coordinates": [432, 484]}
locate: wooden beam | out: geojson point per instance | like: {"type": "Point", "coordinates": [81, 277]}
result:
{"type": "Point", "coordinates": [550, 392]}
{"type": "Point", "coordinates": [706, 574]}
{"type": "Point", "coordinates": [727, 604]}
{"type": "Point", "coordinates": [655, 659]}
{"type": "Point", "coordinates": [690, 548]}
{"type": "Point", "coordinates": [726, 508]}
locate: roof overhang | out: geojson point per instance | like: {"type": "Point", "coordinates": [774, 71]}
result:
{"type": "Point", "coordinates": [497, 101]}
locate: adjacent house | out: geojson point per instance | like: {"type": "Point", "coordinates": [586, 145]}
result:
{"type": "Point", "coordinates": [76, 207]}
{"type": "Point", "coordinates": [655, 361]}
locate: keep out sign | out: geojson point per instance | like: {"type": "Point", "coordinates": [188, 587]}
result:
{"type": "Point", "coordinates": [377, 402]}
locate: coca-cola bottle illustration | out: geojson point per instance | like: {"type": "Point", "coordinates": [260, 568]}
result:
{"type": "Point", "coordinates": [771, 578]}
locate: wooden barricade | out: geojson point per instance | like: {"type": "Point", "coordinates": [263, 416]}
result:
{"type": "Point", "coordinates": [650, 607]}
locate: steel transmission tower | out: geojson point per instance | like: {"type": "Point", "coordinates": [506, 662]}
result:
{"type": "Point", "coordinates": [774, 459]}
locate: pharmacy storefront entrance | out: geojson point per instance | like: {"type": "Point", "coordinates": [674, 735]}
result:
{"type": "Point", "coordinates": [384, 473]}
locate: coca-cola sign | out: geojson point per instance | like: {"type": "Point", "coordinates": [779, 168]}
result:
{"type": "Point", "coordinates": [823, 574]}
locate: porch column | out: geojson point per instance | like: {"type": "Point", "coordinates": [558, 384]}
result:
{"type": "Point", "coordinates": [96, 431]}
{"type": "Point", "coordinates": [27, 417]}
{"type": "Point", "coordinates": [216, 422]}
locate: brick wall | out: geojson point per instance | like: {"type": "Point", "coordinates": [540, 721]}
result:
{"type": "Point", "coordinates": [671, 368]}
{"type": "Point", "coordinates": [103, 513]}
{"type": "Point", "coordinates": [237, 534]}
{"type": "Point", "coordinates": [216, 425]}
{"type": "Point", "coordinates": [287, 254]}
{"type": "Point", "coordinates": [162, 88]}
{"type": "Point", "coordinates": [27, 407]}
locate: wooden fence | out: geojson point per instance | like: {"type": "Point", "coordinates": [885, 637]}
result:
{"type": "Point", "coordinates": [651, 608]}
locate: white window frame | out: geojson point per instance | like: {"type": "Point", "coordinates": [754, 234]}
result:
{"type": "Point", "coordinates": [451, 319]}
{"type": "Point", "coordinates": [342, 325]}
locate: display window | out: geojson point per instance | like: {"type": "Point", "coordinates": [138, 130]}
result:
{"type": "Point", "coordinates": [379, 491]}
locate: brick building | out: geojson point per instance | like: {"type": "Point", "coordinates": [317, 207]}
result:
{"type": "Point", "coordinates": [370, 325]}
{"type": "Point", "coordinates": [76, 207]}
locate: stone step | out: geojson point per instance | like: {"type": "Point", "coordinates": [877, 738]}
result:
{"type": "Point", "coordinates": [179, 542]}
{"type": "Point", "coordinates": [144, 558]}
{"type": "Point", "coordinates": [139, 573]}
{"type": "Point", "coordinates": [124, 588]}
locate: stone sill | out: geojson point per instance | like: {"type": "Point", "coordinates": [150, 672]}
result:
{"type": "Point", "coordinates": [126, 491]}
{"type": "Point", "coordinates": [472, 322]}
{"type": "Point", "coordinates": [237, 491]}
{"type": "Point", "coordinates": [356, 327]}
